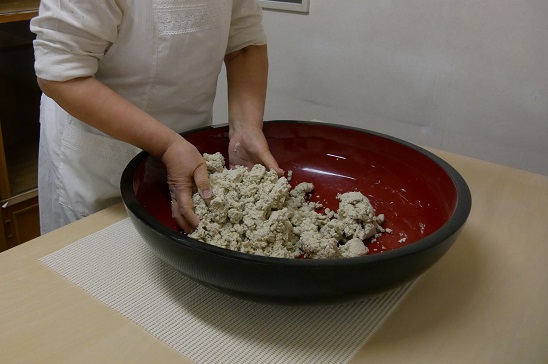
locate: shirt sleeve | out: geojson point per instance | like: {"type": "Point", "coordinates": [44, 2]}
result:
{"type": "Point", "coordinates": [73, 36]}
{"type": "Point", "coordinates": [246, 26]}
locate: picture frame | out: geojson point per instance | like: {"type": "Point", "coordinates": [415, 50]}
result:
{"type": "Point", "coordinates": [299, 6]}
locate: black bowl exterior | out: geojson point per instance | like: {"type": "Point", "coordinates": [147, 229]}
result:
{"type": "Point", "coordinates": [283, 282]}
{"type": "Point", "coordinates": [295, 281]}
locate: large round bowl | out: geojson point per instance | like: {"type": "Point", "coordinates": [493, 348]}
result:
{"type": "Point", "coordinates": [424, 200]}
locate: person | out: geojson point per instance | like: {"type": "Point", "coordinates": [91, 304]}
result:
{"type": "Point", "coordinates": [120, 76]}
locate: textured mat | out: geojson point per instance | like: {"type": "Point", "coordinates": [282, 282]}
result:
{"type": "Point", "coordinates": [116, 266]}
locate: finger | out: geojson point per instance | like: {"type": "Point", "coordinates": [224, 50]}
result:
{"type": "Point", "coordinates": [185, 208]}
{"type": "Point", "coordinates": [176, 214]}
{"type": "Point", "coordinates": [270, 163]}
{"type": "Point", "coordinates": [182, 209]}
{"type": "Point", "coordinates": [201, 179]}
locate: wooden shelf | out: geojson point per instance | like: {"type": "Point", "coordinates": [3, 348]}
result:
{"type": "Point", "coordinates": [9, 41]}
{"type": "Point", "coordinates": [19, 111]}
{"type": "Point", "coordinates": [21, 160]}
{"type": "Point", "coordinates": [19, 125]}
{"type": "Point", "coordinates": [17, 10]}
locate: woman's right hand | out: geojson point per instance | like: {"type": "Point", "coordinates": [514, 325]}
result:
{"type": "Point", "coordinates": [186, 169]}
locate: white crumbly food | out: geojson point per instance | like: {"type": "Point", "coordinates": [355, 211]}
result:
{"type": "Point", "coordinates": [255, 211]}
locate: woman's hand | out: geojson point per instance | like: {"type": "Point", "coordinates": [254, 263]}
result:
{"type": "Point", "coordinates": [186, 169]}
{"type": "Point", "coordinates": [247, 71]}
{"type": "Point", "coordinates": [249, 147]}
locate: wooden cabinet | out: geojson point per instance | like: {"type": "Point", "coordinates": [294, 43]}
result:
{"type": "Point", "coordinates": [20, 221]}
{"type": "Point", "coordinates": [19, 125]}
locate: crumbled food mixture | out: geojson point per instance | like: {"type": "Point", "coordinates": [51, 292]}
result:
{"type": "Point", "coordinates": [255, 211]}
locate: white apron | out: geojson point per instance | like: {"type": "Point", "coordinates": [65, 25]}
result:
{"type": "Point", "coordinates": [163, 56]}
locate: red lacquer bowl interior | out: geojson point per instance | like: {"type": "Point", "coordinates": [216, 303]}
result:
{"type": "Point", "coordinates": [404, 182]}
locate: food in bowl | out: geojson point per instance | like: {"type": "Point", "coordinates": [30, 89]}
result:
{"type": "Point", "coordinates": [256, 212]}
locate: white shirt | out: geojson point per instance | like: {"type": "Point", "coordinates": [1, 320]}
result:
{"type": "Point", "coordinates": [164, 56]}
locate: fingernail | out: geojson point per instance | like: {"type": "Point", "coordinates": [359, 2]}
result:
{"type": "Point", "coordinates": [206, 194]}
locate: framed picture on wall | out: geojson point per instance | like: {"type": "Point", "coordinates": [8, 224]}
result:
{"type": "Point", "coordinates": [300, 6]}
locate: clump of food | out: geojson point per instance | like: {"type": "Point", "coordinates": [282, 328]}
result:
{"type": "Point", "coordinates": [255, 211]}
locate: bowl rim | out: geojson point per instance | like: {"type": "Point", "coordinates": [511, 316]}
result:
{"type": "Point", "coordinates": [452, 226]}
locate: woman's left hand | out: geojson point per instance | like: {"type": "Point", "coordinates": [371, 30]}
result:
{"type": "Point", "coordinates": [249, 147]}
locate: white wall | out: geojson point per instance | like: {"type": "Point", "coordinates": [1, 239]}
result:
{"type": "Point", "coordinates": [467, 76]}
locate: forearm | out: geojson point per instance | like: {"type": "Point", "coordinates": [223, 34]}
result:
{"type": "Point", "coordinates": [97, 105]}
{"type": "Point", "coordinates": [247, 73]}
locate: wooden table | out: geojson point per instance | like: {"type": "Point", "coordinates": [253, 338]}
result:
{"type": "Point", "coordinates": [485, 301]}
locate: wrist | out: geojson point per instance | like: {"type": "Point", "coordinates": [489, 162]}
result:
{"type": "Point", "coordinates": [243, 127]}
{"type": "Point", "coordinates": [164, 143]}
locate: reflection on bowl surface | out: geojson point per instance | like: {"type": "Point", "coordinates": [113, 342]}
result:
{"type": "Point", "coordinates": [424, 200]}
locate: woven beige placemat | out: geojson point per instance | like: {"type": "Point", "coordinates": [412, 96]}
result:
{"type": "Point", "coordinates": [117, 267]}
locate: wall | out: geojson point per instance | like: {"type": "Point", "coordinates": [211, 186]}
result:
{"type": "Point", "coordinates": [465, 76]}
